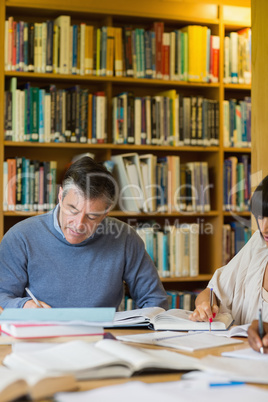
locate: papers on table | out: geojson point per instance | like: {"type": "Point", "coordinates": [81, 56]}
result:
{"type": "Point", "coordinates": [247, 353]}
{"type": "Point", "coordinates": [180, 340]}
{"type": "Point", "coordinates": [179, 391]}
{"type": "Point", "coordinates": [236, 369]}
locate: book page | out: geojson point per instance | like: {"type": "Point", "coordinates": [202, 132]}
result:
{"type": "Point", "coordinates": [237, 330]}
{"type": "Point", "coordinates": [178, 319]}
{"type": "Point", "coordinates": [82, 359]}
{"type": "Point", "coordinates": [13, 380]}
{"type": "Point", "coordinates": [142, 315]}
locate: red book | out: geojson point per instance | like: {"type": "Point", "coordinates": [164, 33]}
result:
{"type": "Point", "coordinates": [166, 56]}
{"type": "Point", "coordinates": [159, 30]}
{"type": "Point", "coordinates": [214, 58]}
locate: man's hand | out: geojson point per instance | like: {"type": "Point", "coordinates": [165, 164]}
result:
{"type": "Point", "coordinates": [1, 310]}
{"type": "Point", "coordinates": [204, 312]}
{"type": "Point", "coordinates": [254, 339]}
{"type": "Point", "coordinates": [32, 304]}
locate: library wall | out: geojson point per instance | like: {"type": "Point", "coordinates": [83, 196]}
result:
{"type": "Point", "coordinates": [229, 92]}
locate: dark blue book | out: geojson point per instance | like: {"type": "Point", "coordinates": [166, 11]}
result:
{"type": "Point", "coordinates": [49, 46]}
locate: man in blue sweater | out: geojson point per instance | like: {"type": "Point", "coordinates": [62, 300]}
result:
{"type": "Point", "coordinates": [75, 255]}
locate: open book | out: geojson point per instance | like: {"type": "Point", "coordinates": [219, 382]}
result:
{"type": "Point", "coordinates": [105, 359]}
{"type": "Point", "coordinates": [174, 319]}
{"type": "Point", "coordinates": [15, 384]}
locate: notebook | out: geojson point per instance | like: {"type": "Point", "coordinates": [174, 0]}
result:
{"type": "Point", "coordinates": [22, 331]}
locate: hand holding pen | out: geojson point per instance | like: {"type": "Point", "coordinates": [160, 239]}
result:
{"type": "Point", "coordinates": [206, 306]}
{"type": "Point", "coordinates": [258, 335]}
{"type": "Point", "coordinates": [34, 303]}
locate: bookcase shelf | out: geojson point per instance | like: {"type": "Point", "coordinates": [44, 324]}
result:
{"type": "Point", "coordinates": [119, 147]}
{"type": "Point", "coordinates": [112, 80]}
{"type": "Point", "coordinates": [237, 150]}
{"type": "Point", "coordinates": [240, 87]}
{"type": "Point", "coordinates": [140, 15]}
{"type": "Point", "coordinates": [199, 278]}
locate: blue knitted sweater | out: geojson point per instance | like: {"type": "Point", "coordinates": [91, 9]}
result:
{"type": "Point", "coordinates": [35, 254]}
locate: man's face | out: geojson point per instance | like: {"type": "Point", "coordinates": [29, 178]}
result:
{"type": "Point", "coordinates": [79, 216]}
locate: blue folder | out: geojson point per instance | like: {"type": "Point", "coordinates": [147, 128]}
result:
{"type": "Point", "coordinates": [86, 315]}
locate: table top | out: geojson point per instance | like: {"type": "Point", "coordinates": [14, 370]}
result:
{"type": "Point", "coordinates": [148, 378]}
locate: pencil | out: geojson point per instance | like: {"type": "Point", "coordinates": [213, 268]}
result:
{"type": "Point", "coordinates": [261, 332]}
{"type": "Point", "coordinates": [33, 297]}
{"type": "Point", "coordinates": [211, 304]}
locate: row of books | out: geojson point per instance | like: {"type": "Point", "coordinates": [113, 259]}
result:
{"type": "Point", "coordinates": [54, 115]}
{"type": "Point", "coordinates": [237, 122]}
{"type": "Point", "coordinates": [237, 57]}
{"type": "Point", "coordinates": [236, 183]}
{"type": "Point", "coordinates": [29, 185]}
{"type": "Point", "coordinates": [169, 118]}
{"type": "Point", "coordinates": [174, 249]}
{"type": "Point", "coordinates": [234, 236]}
{"type": "Point", "coordinates": [187, 54]}
{"type": "Point", "coordinates": [148, 183]}
{"type": "Point", "coordinates": [176, 299]}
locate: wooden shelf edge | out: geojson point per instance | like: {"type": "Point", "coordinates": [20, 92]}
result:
{"type": "Point", "coordinates": [76, 8]}
{"type": "Point", "coordinates": [241, 87]}
{"type": "Point", "coordinates": [124, 147]}
{"type": "Point", "coordinates": [234, 149]}
{"type": "Point", "coordinates": [199, 278]}
{"type": "Point", "coordinates": [114, 80]}
{"type": "Point", "coordinates": [239, 213]}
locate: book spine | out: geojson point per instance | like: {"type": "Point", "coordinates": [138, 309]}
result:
{"type": "Point", "coordinates": [49, 46]}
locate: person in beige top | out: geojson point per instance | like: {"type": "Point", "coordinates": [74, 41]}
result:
{"type": "Point", "coordinates": [241, 287]}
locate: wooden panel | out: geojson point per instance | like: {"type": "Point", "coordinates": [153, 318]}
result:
{"type": "Point", "coordinates": [2, 86]}
{"type": "Point", "coordinates": [153, 8]}
{"type": "Point", "coordinates": [259, 90]}
{"type": "Point", "coordinates": [237, 14]}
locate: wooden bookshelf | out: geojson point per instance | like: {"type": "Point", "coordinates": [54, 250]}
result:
{"type": "Point", "coordinates": [140, 13]}
{"type": "Point", "coordinates": [259, 89]}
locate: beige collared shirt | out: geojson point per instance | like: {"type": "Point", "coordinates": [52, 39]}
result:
{"type": "Point", "coordinates": [238, 285]}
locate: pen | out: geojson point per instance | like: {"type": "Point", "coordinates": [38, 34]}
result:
{"type": "Point", "coordinates": [261, 332]}
{"type": "Point", "coordinates": [211, 304]}
{"type": "Point", "coordinates": [228, 384]}
{"type": "Point", "coordinates": [33, 297]}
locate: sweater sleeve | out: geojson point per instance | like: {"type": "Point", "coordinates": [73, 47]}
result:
{"type": "Point", "coordinates": [13, 271]}
{"type": "Point", "coordinates": [141, 275]}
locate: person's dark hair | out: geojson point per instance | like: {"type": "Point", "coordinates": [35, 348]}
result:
{"type": "Point", "coordinates": [91, 178]}
{"type": "Point", "coordinates": [259, 200]}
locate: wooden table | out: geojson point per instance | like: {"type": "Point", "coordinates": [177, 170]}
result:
{"type": "Point", "coordinates": [148, 378]}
